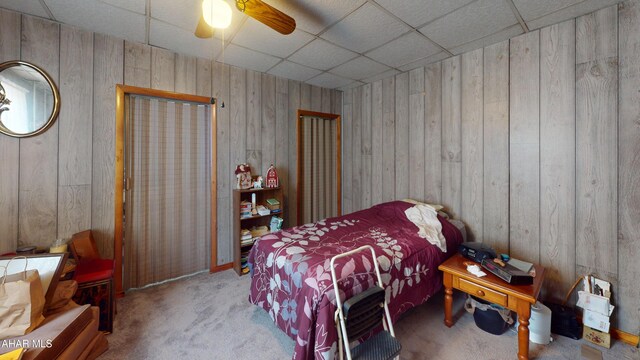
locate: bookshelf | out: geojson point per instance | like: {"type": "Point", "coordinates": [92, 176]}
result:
{"type": "Point", "coordinates": [242, 248]}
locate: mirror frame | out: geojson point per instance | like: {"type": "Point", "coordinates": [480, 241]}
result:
{"type": "Point", "coordinates": [56, 99]}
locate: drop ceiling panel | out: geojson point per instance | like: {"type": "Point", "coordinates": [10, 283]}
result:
{"type": "Point", "coordinates": [530, 10]}
{"type": "Point", "coordinates": [293, 71]}
{"type": "Point", "coordinates": [425, 61]}
{"type": "Point", "coordinates": [381, 76]}
{"type": "Point", "coordinates": [570, 12]}
{"type": "Point", "coordinates": [322, 55]}
{"type": "Point", "coordinates": [255, 35]}
{"type": "Point", "coordinates": [182, 41]}
{"type": "Point", "coordinates": [100, 17]}
{"type": "Point", "coordinates": [313, 16]}
{"type": "Point", "coordinates": [31, 7]}
{"type": "Point", "coordinates": [405, 49]}
{"type": "Point", "coordinates": [366, 28]}
{"type": "Point", "coordinates": [246, 58]}
{"type": "Point", "coordinates": [359, 68]}
{"type": "Point", "coordinates": [472, 22]}
{"type": "Point", "coordinates": [419, 12]}
{"type": "Point", "coordinates": [504, 34]}
{"type": "Point", "coordinates": [138, 6]}
{"type": "Point", "coordinates": [330, 81]}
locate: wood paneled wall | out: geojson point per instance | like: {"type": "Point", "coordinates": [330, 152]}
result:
{"type": "Point", "coordinates": [62, 181]}
{"type": "Point", "coordinates": [528, 141]}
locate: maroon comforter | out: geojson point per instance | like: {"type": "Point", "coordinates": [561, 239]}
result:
{"type": "Point", "coordinates": [291, 277]}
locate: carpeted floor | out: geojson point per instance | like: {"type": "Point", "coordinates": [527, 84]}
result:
{"type": "Point", "coordinates": [209, 317]}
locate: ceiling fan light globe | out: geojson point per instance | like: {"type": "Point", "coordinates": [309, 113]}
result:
{"type": "Point", "coordinates": [217, 13]}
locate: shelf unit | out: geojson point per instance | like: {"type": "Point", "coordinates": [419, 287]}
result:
{"type": "Point", "coordinates": [247, 223]}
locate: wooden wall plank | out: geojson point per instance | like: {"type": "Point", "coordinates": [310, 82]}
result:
{"type": "Point", "coordinates": [254, 121]}
{"type": "Point", "coordinates": [163, 69]}
{"type": "Point", "coordinates": [10, 25]}
{"type": "Point", "coordinates": [305, 97]}
{"type": "Point", "coordinates": [336, 108]}
{"type": "Point", "coordinates": [451, 135]}
{"type": "Point", "coordinates": [237, 108]}
{"type": "Point", "coordinates": [76, 127]}
{"type": "Point", "coordinates": [388, 139]}
{"type": "Point", "coordinates": [376, 142]}
{"type": "Point", "coordinates": [524, 212]}
{"type": "Point", "coordinates": [472, 199]}
{"type": "Point", "coordinates": [108, 70]}
{"type": "Point", "coordinates": [347, 162]}
{"type": "Point", "coordinates": [326, 101]}
{"type": "Point", "coordinates": [495, 227]}
{"type": "Point", "coordinates": [365, 128]}
{"type": "Point", "coordinates": [316, 98]}
{"type": "Point", "coordinates": [39, 155]}
{"type": "Point", "coordinates": [402, 134]}
{"type": "Point", "coordinates": [557, 157]}
{"type": "Point", "coordinates": [268, 132]}
{"type": "Point", "coordinates": [204, 77]}
{"type": "Point", "coordinates": [294, 105]}
{"type": "Point", "coordinates": [219, 80]}
{"type": "Point", "coordinates": [596, 139]}
{"type": "Point", "coordinates": [416, 134]}
{"type": "Point", "coordinates": [433, 134]}
{"type": "Point", "coordinates": [628, 164]}
{"type": "Point", "coordinates": [185, 74]}
{"type": "Point", "coordinates": [281, 160]}
{"type": "Point", "coordinates": [137, 64]}
{"type": "Point", "coordinates": [356, 150]}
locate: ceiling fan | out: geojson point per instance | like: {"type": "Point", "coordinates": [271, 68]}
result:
{"type": "Point", "coordinates": [257, 9]}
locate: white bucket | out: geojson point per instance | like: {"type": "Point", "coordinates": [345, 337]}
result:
{"type": "Point", "coordinates": [540, 324]}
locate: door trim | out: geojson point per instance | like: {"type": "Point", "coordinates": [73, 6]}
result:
{"type": "Point", "coordinates": [300, 164]}
{"type": "Point", "coordinates": [121, 92]}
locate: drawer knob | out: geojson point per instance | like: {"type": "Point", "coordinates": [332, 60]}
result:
{"type": "Point", "coordinates": [480, 293]}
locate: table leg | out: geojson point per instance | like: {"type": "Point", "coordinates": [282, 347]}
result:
{"type": "Point", "coordinates": [448, 299]}
{"type": "Point", "coordinates": [524, 313]}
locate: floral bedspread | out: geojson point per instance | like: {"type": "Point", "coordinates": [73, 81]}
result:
{"type": "Point", "coordinates": [291, 277]}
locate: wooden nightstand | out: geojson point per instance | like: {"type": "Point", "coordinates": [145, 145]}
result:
{"type": "Point", "coordinates": [518, 298]}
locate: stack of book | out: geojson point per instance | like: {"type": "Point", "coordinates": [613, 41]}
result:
{"type": "Point", "coordinates": [256, 232]}
{"type": "Point", "coordinates": [245, 209]}
{"type": "Point", "coordinates": [273, 205]}
{"type": "Point", "coordinates": [262, 210]}
{"type": "Point", "coordinates": [245, 237]}
{"type": "Point", "coordinates": [244, 264]}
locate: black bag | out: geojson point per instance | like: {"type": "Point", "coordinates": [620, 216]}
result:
{"type": "Point", "coordinates": [564, 321]}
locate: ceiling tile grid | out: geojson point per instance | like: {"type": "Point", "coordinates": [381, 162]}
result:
{"type": "Point", "coordinates": [405, 49]}
{"type": "Point", "coordinates": [359, 68]}
{"type": "Point", "coordinates": [337, 43]}
{"type": "Point", "coordinates": [320, 54]}
{"type": "Point", "coordinates": [365, 29]}
{"type": "Point", "coordinates": [257, 36]}
{"type": "Point", "coordinates": [293, 71]}
{"type": "Point", "coordinates": [476, 20]}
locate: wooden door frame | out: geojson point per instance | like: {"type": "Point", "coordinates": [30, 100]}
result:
{"type": "Point", "coordinates": [121, 92]}
{"type": "Point", "coordinates": [300, 165]}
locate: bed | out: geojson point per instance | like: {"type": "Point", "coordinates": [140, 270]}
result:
{"type": "Point", "coordinates": [291, 278]}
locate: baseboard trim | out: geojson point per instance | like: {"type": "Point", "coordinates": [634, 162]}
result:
{"type": "Point", "coordinates": [223, 267]}
{"type": "Point", "coordinates": [625, 337]}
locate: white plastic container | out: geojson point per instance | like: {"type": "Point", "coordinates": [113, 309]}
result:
{"type": "Point", "coordinates": [540, 324]}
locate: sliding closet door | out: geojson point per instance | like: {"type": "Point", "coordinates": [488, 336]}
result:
{"type": "Point", "coordinates": [319, 143]}
{"type": "Point", "coordinates": [167, 227]}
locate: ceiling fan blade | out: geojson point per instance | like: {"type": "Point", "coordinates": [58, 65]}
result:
{"type": "Point", "coordinates": [203, 30]}
{"type": "Point", "coordinates": [268, 15]}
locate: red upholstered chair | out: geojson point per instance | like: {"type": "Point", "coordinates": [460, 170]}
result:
{"type": "Point", "coordinates": [94, 276]}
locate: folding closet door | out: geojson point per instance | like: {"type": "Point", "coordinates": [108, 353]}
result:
{"type": "Point", "coordinates": [168, 198]}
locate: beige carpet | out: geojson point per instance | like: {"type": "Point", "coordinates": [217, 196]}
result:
{"type": "Point", "coordinates": [209, 317]}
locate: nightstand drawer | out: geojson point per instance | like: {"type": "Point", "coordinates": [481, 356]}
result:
{"type": "Point", "coordinates": [483, 292]}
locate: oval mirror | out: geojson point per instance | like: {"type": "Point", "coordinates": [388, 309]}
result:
{"type": "Point", "coordinates": [29, 99]}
